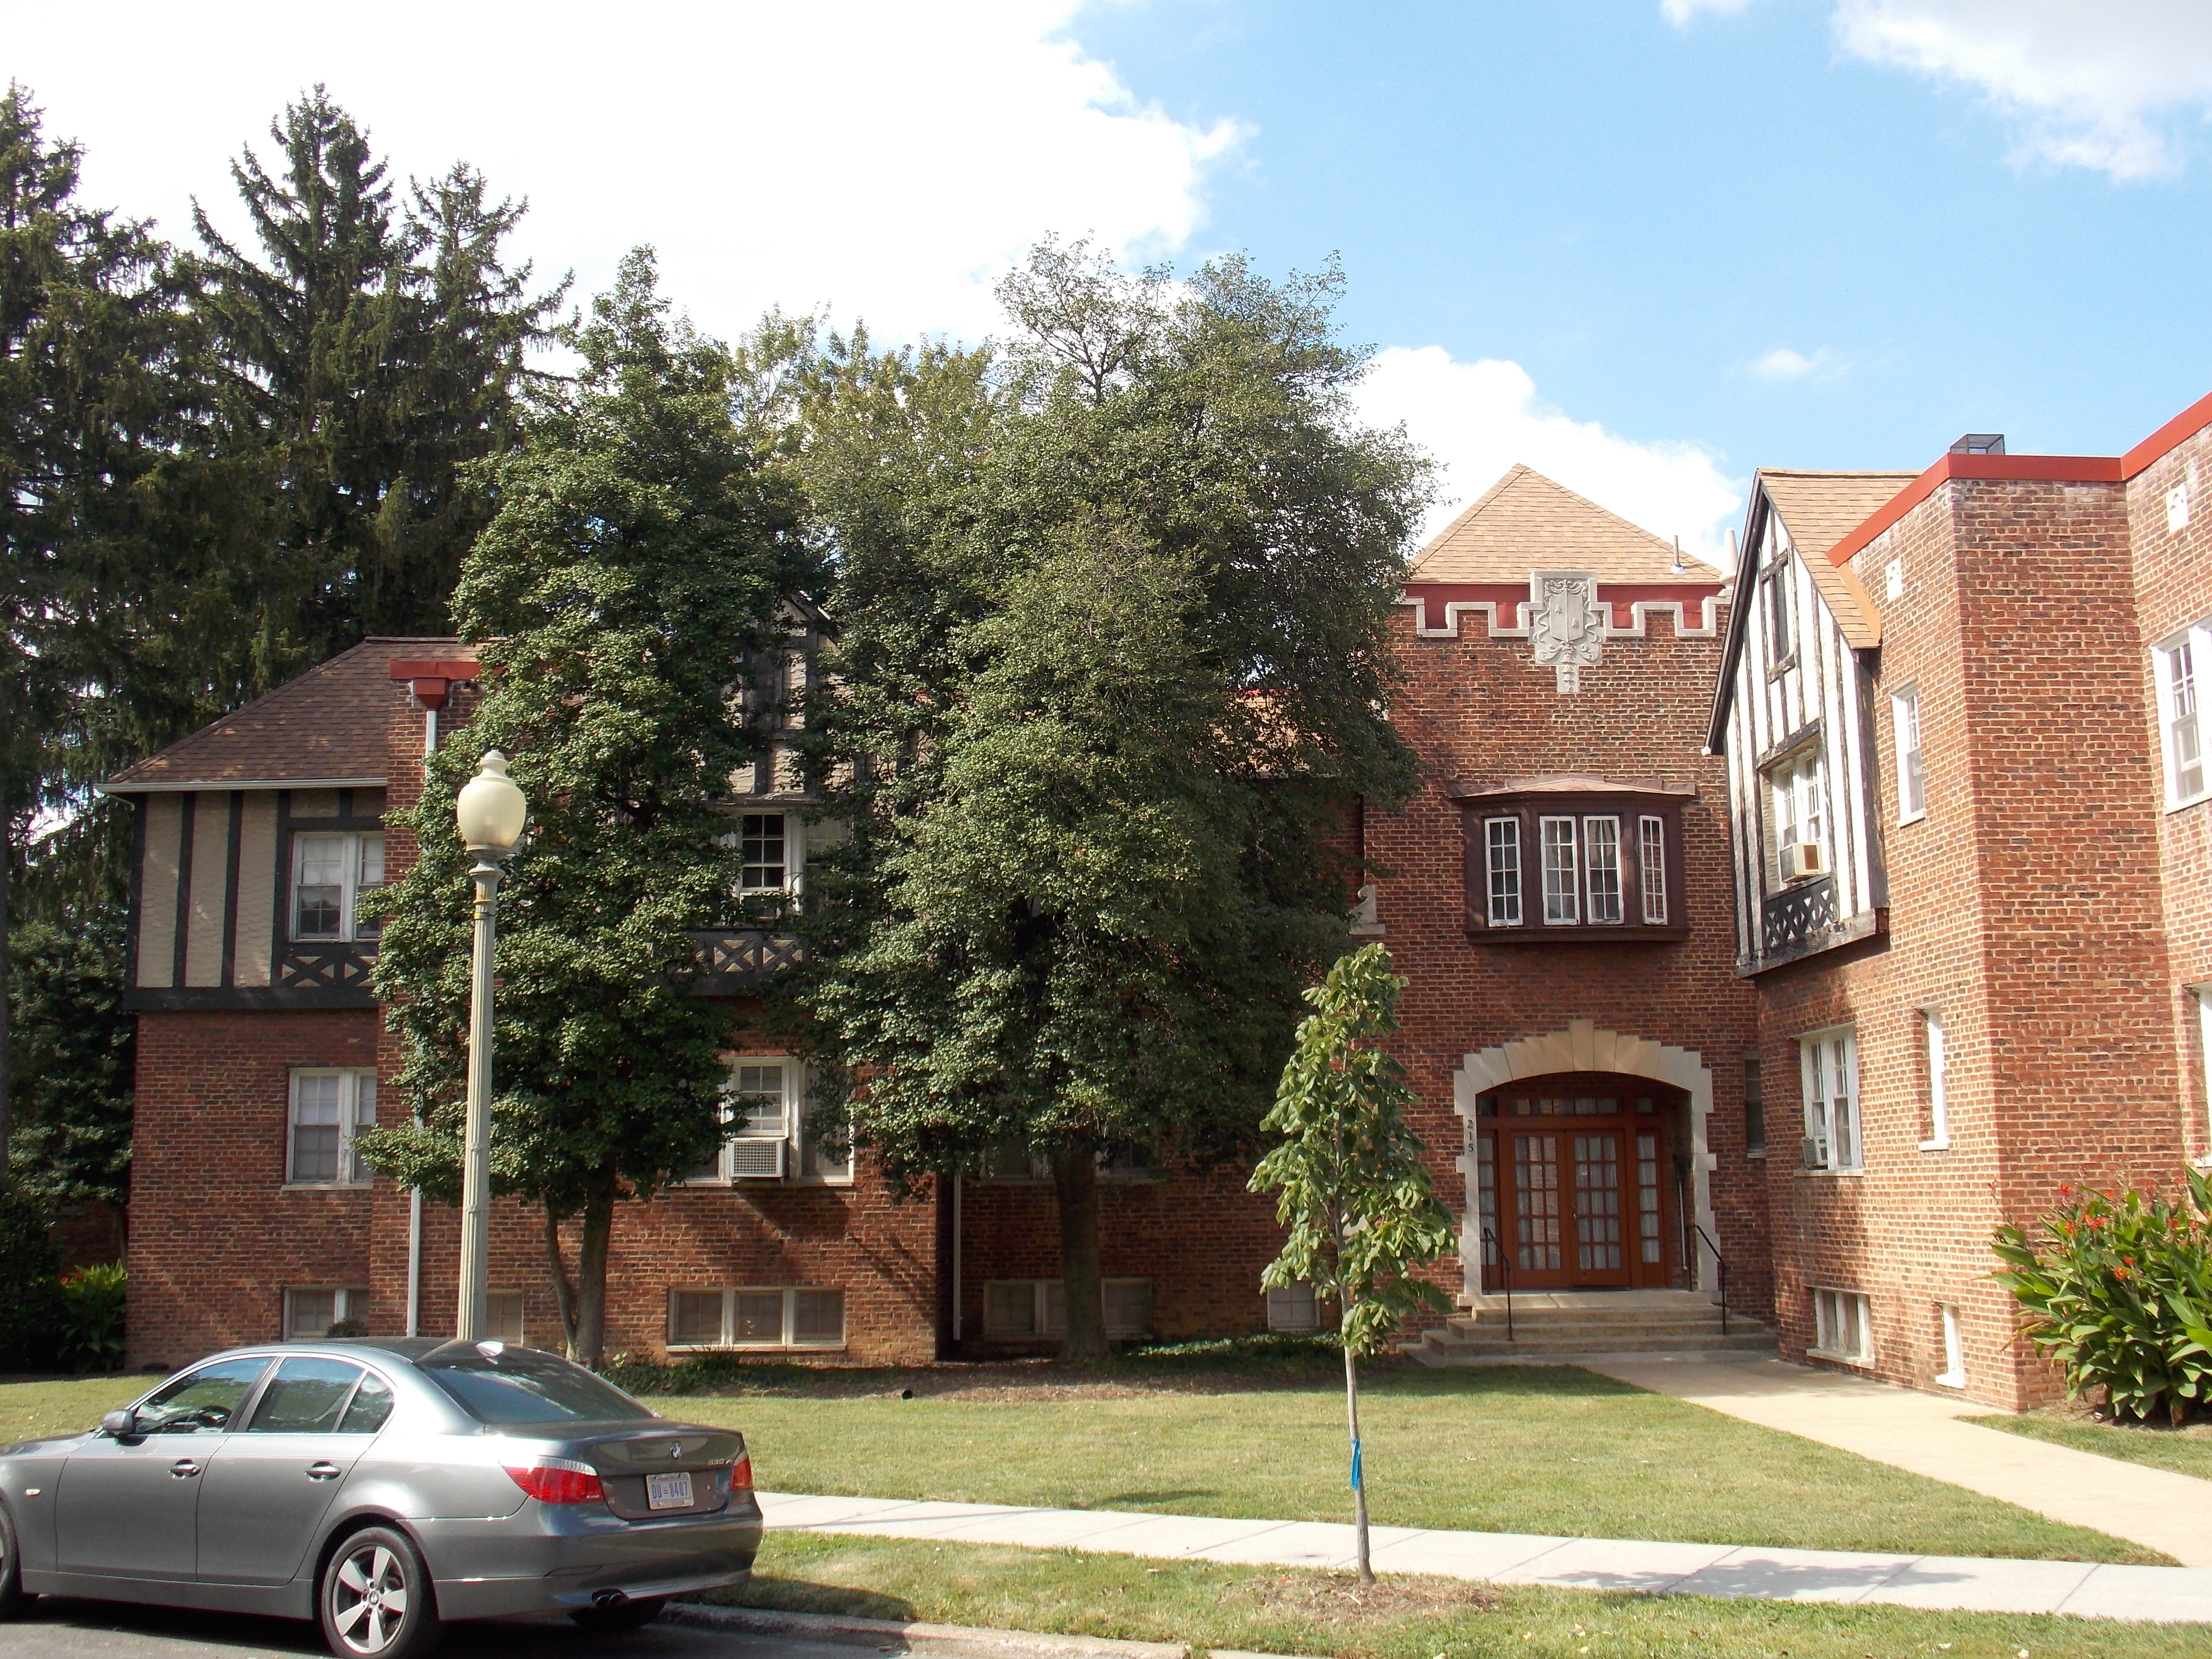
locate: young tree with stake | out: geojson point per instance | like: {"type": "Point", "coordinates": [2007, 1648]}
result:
{"type": "Point", "coordinates": [1355, 1191]}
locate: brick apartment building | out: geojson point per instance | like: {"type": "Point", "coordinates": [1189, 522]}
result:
{"type": "Point", "coordinates": [1907, 845]}
{"type": "Point", "coordinates": [1968, 790]}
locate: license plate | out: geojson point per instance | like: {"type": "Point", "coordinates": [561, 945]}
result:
{"type": "Point", "coordinates": [668, 1492]}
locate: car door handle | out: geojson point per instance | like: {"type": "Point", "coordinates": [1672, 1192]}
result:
{"type": "Point", "coordinates": [323, 1471]}
{"type": "Point", "coordinates": [183, 1469]}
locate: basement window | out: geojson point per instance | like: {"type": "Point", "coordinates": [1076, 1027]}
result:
{"type": "Point", "coordinates": [794, 1317]}
{"type": "Point", "coordinates": [1841, 1328]}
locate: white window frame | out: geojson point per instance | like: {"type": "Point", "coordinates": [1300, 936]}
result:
{"type": "Point", "coordinates": [351, 1173]}
{"type": "Point", "coordinates": [794, 855]}
{"type": "Point", "coordinates": [1841, 1316]}
{"type": "Point", "coordinates": [498, 1302]}
{"type": "Point", "coordinates": [1652, 868]}
{"type": "Point", "coordinates": [2203, 995]}
{"type": "Point", "coordinates": [1838, 1138]}
{"type": "Point", "coordinates": [792, 1132]}
{"type": "Point", "coordinates": [1294, 1309]}
{"type": "Point", "coordinates": [1951, 1331]}
{"type": "Point", "coordinates": [788, 1338]}
{"type": "Point", "coordinates": [2179, 664]}
{"type": "Point", "coordinates": [351, 883]}
{"type": "Point", "coordinates": [347, 1302]}
{"type": "Point", "coordinates": [1567, 887]}
{"type": "Point", "coordinates": [1798, 787]}
{"type": "Point", "coordinates": [1606, 825]}
{"type": "Point", "coordinates": [1049, 1316]}
{"type": "Point", "coordinates": [1502, 876]}
{"type": "Point", "coordinates": [1912, 762]}
{"type": "Point", "coordinates": [1936, 1059]}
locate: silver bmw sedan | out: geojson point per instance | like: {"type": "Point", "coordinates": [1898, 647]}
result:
{"type": "Point", "coordinates": [384, 1487]}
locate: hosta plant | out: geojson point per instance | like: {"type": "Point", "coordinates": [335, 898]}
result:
{"type": "Point", "coordinates": [2116, 1290]}
{"type": "Point", "coordinates": [92, 1317]}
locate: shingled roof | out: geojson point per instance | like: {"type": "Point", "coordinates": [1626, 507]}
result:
{"type": "Point", "coordinates": [1525, 522]}
{"type": "Point", "coordinates": [1818, 509]}
{"type": "Point", "coordinates": [329, 726]}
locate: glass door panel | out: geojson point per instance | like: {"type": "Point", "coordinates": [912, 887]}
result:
{"type": "Point", "coordinates": [1598, 1259]}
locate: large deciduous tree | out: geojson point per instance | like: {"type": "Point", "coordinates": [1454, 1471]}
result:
{"type": "Point", "coordinates": [1113, 661]}
{"type": "Point", "coordinates": [641, 563]}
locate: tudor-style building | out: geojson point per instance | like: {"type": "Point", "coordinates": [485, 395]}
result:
{"type": "Point", "coordinates": [1959, 710]}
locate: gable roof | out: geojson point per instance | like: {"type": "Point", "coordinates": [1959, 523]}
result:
{"type": "Point", "coordinates": [1525, 522]}
{"type": "Point", "coordinates": [331, 726]}
{"type": "Point", "coordinates": [1820, 509]}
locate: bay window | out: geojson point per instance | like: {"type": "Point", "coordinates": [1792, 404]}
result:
{"type": "Point", "coordinates": [1559, 886]}
{"type": "Point", "coordinates": [1605, 858]}
{"type": "Point", "coordinates": [1502, 840]}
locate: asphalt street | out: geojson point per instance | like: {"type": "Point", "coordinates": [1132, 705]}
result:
{"type": "Point", "coordinates": [52, 1629]}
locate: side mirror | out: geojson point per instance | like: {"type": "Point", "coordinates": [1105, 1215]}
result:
{"type": "Point", "coordinates": [122, 1424]}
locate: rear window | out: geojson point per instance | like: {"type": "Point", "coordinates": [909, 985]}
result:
{"type": "Point", "coordinates": [497, 1384]}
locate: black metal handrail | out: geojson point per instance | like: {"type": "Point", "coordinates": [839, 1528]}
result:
{"type": "Point", "coordinates": [1505, 1272]}
{"type": "Point", "coordinates": [1721, 1262]}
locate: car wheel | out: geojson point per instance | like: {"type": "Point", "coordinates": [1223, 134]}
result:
{"type": "Point", "coordinates": [375, 1598]}
{"type": "Point", "coordinates": [630, 1615]}
{"type": "Point", "coordinates": [12, 1595]}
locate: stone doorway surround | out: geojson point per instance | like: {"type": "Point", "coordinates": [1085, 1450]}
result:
{"type": "Point", "coordinates": [1583, 1048]}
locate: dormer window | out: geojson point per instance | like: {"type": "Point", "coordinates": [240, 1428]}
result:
{"type": "Point", "coordinates": [1606, 858]}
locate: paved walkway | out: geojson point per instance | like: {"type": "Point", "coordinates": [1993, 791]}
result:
{"type": "Point", "coordinates": [2169, 1512]}
{"type": "Point", "coordinates": [2162, 1593]}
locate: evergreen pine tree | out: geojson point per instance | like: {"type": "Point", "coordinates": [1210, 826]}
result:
{"type": "Point", "coordinates": [642, 559]}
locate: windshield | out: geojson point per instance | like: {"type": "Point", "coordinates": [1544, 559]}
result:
{"type": "Point", "coordinates": [497, 1384]}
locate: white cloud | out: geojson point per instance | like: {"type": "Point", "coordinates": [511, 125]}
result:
{"type": "Point", "coordinates": [1783, 364]}
{"type": "Point", "coordinates": [887, 158]}
{"type": "Point", "coordinates": [2087, 84]}
{"type": "Point", "coordinates": [1680, 12]}
{"type": "Point", "coordinates": [1478, 418]}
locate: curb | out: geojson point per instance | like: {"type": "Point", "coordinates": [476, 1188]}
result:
{"type": "Point", "coordinates": [956, 1641]}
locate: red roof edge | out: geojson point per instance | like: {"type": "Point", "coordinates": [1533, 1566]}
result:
{"type": "Point", "coordinates": [450, 668]}
{"type": "Point", "coordinates": [2046, 469]}
{"type": "Point", "coordinates": [2191, 421]}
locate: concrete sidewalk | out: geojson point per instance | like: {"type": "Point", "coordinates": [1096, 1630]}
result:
{"type": "Point", "coordinates": [2165, 1594]}
{"type": "Point", "coordinates": [2169, 1512]}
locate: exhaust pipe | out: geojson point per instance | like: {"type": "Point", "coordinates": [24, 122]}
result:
{"type": "Point", "coordinates": [608, 1600]}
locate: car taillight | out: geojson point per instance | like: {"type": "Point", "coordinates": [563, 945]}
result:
{"type": "Point", "coordinates": [558, 1481]}
{"type": "Point", "coordinates": [741, 1474]}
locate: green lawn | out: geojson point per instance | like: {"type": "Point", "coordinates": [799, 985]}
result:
{"type": "Point", "coordinates": [29, 1411]}
{"type": "Point", "coordinates": [1541, 1450]}
{"type": "Point", "coordinates": [2186, 1451]}
{"type": "Point", "coordinates": [1271, 1611]}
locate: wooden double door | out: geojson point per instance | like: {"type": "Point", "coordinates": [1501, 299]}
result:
{"type": "Point", "coordinates": [1576, 1183]}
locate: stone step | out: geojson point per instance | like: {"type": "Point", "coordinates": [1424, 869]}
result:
{"type": "Point", "coordinates": [1438, 1349]}
{"type": "Point", "coordinates": [1594, 1319]}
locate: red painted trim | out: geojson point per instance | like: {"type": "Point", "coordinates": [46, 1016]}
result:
{"type": "Point", "coordinates": [2184, 425]}
{"type": "Point", "coordinates": [451, 668]}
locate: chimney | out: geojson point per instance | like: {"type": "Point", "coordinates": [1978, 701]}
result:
{"type": "Point", "coordinates": [1979, 443]}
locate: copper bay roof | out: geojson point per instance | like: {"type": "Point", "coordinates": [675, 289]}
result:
{"type": "Point", "coordinates": [1525, 522]}
{"type": "Point", "coordinates": [331, 726]}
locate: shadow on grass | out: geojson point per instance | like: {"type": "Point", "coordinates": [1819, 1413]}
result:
{"type": "Point", "coordinates": [1166, 1496]}
{"type": "Point", "coordinates": [797, 1595]}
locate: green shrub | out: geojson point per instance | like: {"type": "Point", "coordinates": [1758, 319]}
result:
{"type": "Point", "coordinates": [2119, 1294]}
{"type": "Point", "coordinates": [30, 1297]}
{"type": "Point", "coordinates": [92, 1318]}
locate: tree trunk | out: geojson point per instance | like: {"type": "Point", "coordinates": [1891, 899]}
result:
{"type": "Point", "coordinates": [564, 1293]}
{"type": "Point", "coordinates": [1075, 1183]}
{"type": "Point", "coordinates": [1358, 1475]}
{"type": "Point", "coordinates": [7, 872]}
{"type": "Point", "coordinates": [587, 1347]}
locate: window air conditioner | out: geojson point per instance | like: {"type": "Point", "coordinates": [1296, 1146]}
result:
{"type": "Point", "coordinates": [756, 1159]}
{"type": "Point", "coordinates": [1801, 859]}
{"type": "Point", "coordinates": [1812, 1155]}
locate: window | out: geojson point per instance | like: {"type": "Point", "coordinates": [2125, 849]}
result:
{"type": "Point", "coordinates": [1911, 775]}
{"type": "Point", "coordinates": [1832, 1069]}
{"type": "Point", "coordinates": [769, 1135]}
{"type": "Point", "coordinates": [1031, 1309]}
{"type": "Point", "coordinates": [1839, 1326]}
{"type": "Point", "coordinates": [1937, 1125]}
{"type": "Point", "coordinates": [1601, 864]}
{"type": "Point", "coordinates": [306, 1396]}
{"type": "Point", "coordinates": [504, 1317]}
{"type": "Point", "coordinates": [1794, 788]}
{"type": "Point", "coordinates": [1502, 837]}
{"type": "Point", "coordinates": [1777, 592]}
{"type": "Point", "coordinates": [1647, 1196]}
{"type": "Point", "coordinates": [1651, 847]}
{"type": "Point", "coordinates": [788, 1317]}
{"type": "Point", "coordinates": [2177, 699]}
{"type": "Point", "coordinates": [320, 1311]}
{"type": "Point", "coordinates": [761, 841]}
{"type": "Point", "coordinates": [1754, 1110]}
{"type": "Point", "coordinates": [205, 1399]}
{"type": "Point", "coordinates": [1948, 1333]}
{"type": "Point", "coordinates": [331, 873]}
{"type": "Point", "coordinates": [1293, 1307]}
{"type": "Point", "coordinates": [329, 1110]}
{"type": "Point", "coordinates": [1560, 903]}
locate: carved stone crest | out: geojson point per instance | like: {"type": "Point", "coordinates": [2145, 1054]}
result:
{"type": "Point", "coordinates": [1566, 624]}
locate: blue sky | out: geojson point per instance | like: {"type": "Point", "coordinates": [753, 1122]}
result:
{"type": "Point", "coordinates": [1642, 245]}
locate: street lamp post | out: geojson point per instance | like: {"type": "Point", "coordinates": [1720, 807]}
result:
{"type": "Point", "coordinates": [491, 812]}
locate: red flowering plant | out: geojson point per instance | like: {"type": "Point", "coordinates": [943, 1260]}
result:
{"type": "Point", "coordinates": [2118, 1292]}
